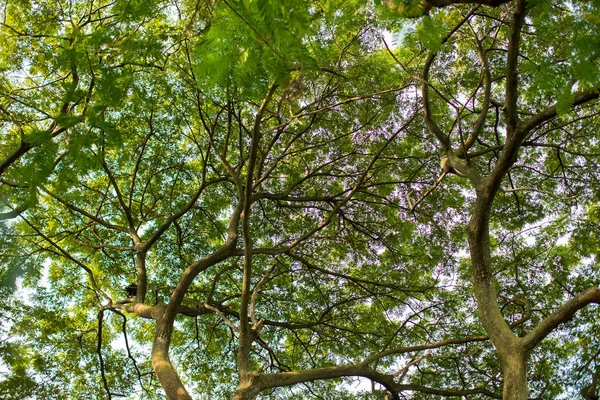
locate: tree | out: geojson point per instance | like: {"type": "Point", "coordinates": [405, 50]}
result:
{"type": "Point", "coordinates": [265, 176]}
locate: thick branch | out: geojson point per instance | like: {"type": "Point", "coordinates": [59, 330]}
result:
{"type": "Point", "coordinates": [12, 214]}
{"type": "Point", "coordinates": [410, 349]}
{"type": "Point", "coordinates": [291, 378]}
{"type": "Point", "coordinates": [560, 316]}
{"type": "Point", "coordinates": [142, 310]}
{"type": "Point", "coordinates": [550, 112]}
{"type": "Point", "coordinates": [161, 362]}
{"type": "Point", "coordinates": [512, 63]}
{"type": "Point", "coordinates": [15, 155]}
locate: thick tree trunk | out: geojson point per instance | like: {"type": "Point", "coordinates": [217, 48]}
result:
{"type": "Point", "coordinates": [514, 371]}
{"type": "Point", "coordinates": [248, 387]}
{"type": "Point", "coordinates": [243, 395]}
{"type": "Point", "coordinates": [168, 377]}
{"type": "Point", "coordinates": [510, 348]}
{"type": "Point", "coordinates": [164, 369]}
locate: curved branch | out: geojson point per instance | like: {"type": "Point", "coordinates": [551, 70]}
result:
{"type": "Point", "coordinates": [129, 355]}
{"type": "Point", "coordinates": [550, 112]}
{"type": "Point", "coordinates": [290, 378]}
{"type": "Point", "coordinates": [479, 124]}
{"type": "Point", "coordinates": [99, 352]}
{"type": "Point", "coordinates": [560, 316]}
{"type": "Point", "coordinates": [245, 337]}
{"type": "Point", "coordinates": [142, 310]}
{"type": "Point", "coordinates": [410, 349]}
{"type": "Point", "coordinates": [165, 371]}
{"type": "Point", "coordinates": [433, 126]}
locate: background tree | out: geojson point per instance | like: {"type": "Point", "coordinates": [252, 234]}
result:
{"type": "Point", "coordinates": [268, 175]}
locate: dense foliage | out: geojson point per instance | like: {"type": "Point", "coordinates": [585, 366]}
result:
{"type": "Point", "coordinates": [300, 194]}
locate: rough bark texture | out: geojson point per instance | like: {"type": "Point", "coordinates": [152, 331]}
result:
{"type": "Point", "coordinates": [248, 388]}
{"type": "Point", "coordinates": [165, 372]}
{"type": "Point", "coordinates": [514, 372]}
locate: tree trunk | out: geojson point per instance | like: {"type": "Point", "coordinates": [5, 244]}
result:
{"type": "Point", "coordinates": [165, 372]}
{"type": "Point", "coordinates": [510, 348]}
{"type": "Point", "coordinates": [514, 371]}
{"type": "Point", "coordinates": [243, 395]}
{"type": "Point", "coordinates": [248, 388]}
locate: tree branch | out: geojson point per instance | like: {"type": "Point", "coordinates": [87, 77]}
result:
{"type": "Point", "coordinates": [560, 316]}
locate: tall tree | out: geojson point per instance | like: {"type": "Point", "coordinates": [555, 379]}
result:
{"type": "Point", "coordinates": [240, 199]}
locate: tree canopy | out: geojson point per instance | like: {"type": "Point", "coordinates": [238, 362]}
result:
{"type": "Point", "coordinates": [285, 199]}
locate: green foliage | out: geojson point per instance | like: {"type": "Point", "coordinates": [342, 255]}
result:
{"type": "Point", "coordinates": [138, 121]}
{"type": "Point", "coordinates": [406, 8]}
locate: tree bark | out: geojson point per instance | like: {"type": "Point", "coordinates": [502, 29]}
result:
{"type": "Point", "coordinates": [248, 388]}
{"type": "Point", "coordinates": [165, 372]}
{"type": "Point", "coordinates": [514, 371]}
